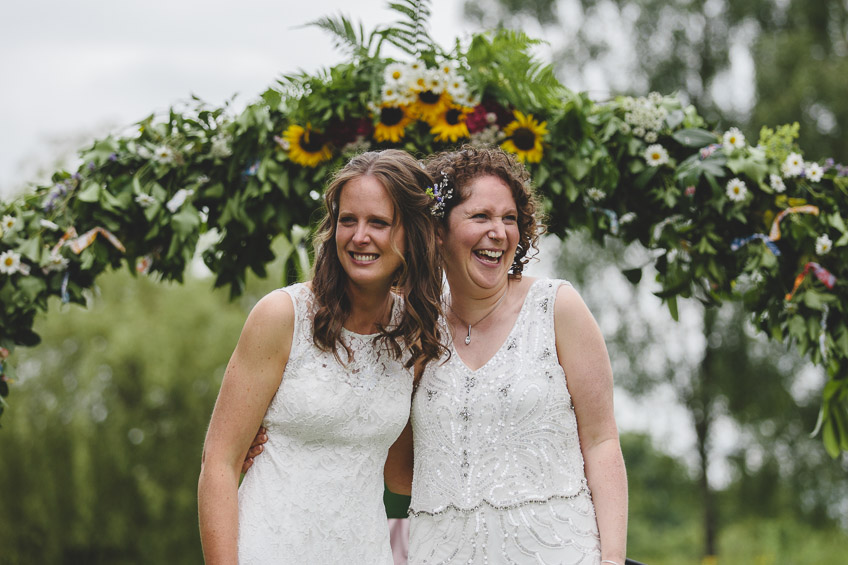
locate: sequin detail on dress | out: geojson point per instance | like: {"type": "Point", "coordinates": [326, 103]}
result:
{"type": "Point", "coordinates": [499, 473]}
{"type": "Point", "coordinates": [316, 494]}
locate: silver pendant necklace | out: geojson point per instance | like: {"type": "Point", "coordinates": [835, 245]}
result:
{"type": "Point", "coordinates": [495, 307]}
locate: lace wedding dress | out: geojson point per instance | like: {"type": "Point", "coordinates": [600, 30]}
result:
{"type": "Point", "coordinates": [498, 474]}
{"type": "Point", "coordinates": [316, 495]}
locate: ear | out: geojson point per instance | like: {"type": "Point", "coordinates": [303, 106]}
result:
{"type": "Point", "coordinates": [440, 235]}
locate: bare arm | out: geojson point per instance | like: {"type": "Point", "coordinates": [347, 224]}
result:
{"type": "Point", "coordinates": [583, 356]}
{"type": "Point", "coordinates": [250, 381]}
{"type": "Point", "coordinates": [398, 470]}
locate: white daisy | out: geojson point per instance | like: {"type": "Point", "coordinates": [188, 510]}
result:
{"type": "Point", "coordinates": [457, 88]}
{"type": "Point", "coordinates": [395, 72]}
{"type": "Point", "coordinates": [596, 194]}
{"type": "Point", "coordinates": [776, 183]}
{"type": "Point", "coordinates": [145, 200]}
{"type": "Point", "coordinates": [793, 165]}
{"type": "Point", "coordinates": [10, 262]}
{"type": "Point", "coordinates": [656, 155]}
{"type": "Point", "coordinates": [733, 139]}
{"type": "Point", "coordinates": [823, 245]}
{"type": "Point", "coordinates": [163, 154]}
{"type": "Point", "coordinates": [9, 222]}
{"type": "Point", "coordinates": [814, 172]}
{"type": "Point", "coordinates": [391, 94]}
{"type": "Point", "coordinates": [435, 82]}
{"type": "Point", "coordinates": [56, 262]}
{"type": "Point", "coordinates": [737, 190]}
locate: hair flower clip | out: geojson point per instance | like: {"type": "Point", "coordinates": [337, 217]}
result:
{"type": "Point", "coordinates": [440, 192]}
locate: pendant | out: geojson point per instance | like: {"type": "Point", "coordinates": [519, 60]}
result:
{"type": "Point", "coordinates": [468, 337]}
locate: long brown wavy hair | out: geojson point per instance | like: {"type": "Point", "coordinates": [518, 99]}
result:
{"type": "Point", "coordinates": [419, 278]}
{"type": "Point", "coordinates": [469, 163]}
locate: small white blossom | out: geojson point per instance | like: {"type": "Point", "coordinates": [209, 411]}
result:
{"type": "Point", "coordinates": [639, 131]}
{"type": "Point", "coordinates": [650, 137]}
{"type": "Point", "coordinates": [178, 199]}
{"type": "Point", "coordinates": [220, 147]}
{"type": "Point", "coordinates": [776, 183]}
{"type": "Point", "coordinates": [9, 222]}
{"type": "Point", "coordinates": [737, 190]}
{"type": "Point", "coordinates": [145, 200]}
{"type": "Point", "coordinates": [792, 166]}
{"type": "Point", "coordinates": [656, 155]}
{"type": "Point", "coordinates": [814, 172]}
{"type": "Point", "coordinates": [596, 194]}
{"type": "Point", "coordinates": [47, 224]}
{"type": "Point", "coordinates": [733, 139]}
{"type": "Point", "coordinates": [164, 154]}
{"type": "Point", "coordinates": [627, 218]}
{"type": "Point", "coordinates": [395, 72]}
{"type": "Point", "coordinates": [10, 262]}
{"type": "Point", "coordinates": [823, 245]}
{"type": "Point", "coordinates": [56, 262]}
{"type": "Point", "coordinates": [655, 97]}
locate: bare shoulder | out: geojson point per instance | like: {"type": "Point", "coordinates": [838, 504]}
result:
{"type": "Point", "coordinates": [569, 308]}
{"type": "Point", "coordinates": [272, 318]}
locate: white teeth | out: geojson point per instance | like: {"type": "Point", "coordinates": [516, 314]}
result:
{"type": "Point", "coordinates": [488, 253]}
{"type": "Point", "coordinates": [364, 257]}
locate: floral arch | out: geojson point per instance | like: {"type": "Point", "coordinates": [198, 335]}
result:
{"type": "Point", "coordinates": [726, 218]}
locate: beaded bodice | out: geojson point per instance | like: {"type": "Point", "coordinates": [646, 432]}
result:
{"type": "Point", "coordinates": [504, 435]}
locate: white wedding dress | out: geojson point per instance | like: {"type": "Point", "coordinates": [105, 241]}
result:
{"type": "Point", "coordinates": [315, 496]}
{"type": "Point", "coordinates": [498, 473]}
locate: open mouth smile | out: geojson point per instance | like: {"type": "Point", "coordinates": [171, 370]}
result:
{"type": "Point", "coordinates": [364, 257]}
{"type": "Point", "coordinates": [489, 255]}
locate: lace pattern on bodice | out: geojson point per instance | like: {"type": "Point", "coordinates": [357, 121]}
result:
{"type": "Point", "coordinates": [315, 494]}
{"type": "Point", "coordinates": [504, 435]}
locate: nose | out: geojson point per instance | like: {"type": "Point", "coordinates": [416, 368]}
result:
{"type": "Point", "coordinates": [361, 236]}
{"type": "Point", "coordinates": [497, 231]}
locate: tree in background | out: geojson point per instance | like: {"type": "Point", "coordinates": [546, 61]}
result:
{"type": "Point", "coordinates": [742, 63]}
{"type": "Point", "coordinates": [102, 459]}
{"type": "Point", "coordinates": [728, 379]}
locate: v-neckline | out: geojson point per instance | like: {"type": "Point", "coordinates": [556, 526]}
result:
{"type": "Point", "coordinates": [455, 351]}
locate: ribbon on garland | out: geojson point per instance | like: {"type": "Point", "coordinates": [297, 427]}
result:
{"type": "Point", "coordinates": [826, 277]}
{"type": "Point", "coordinates": [737, 243]}
{"type": "Point", "coordinates": [78, 244]}
{"type": "Point", "coordinates": [774, 233]}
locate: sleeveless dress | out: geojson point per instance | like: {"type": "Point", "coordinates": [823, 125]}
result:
{"type": "Point", "coordinates": [498, 473]}
{"type": "Point", "coordinates": [316, 494]}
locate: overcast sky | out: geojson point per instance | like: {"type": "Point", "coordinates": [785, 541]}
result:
{"type": "Point", "coordinates": [71, 70]}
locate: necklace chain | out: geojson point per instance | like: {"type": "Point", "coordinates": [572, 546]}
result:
{"type": "Point", "coordinates": [495, 307]}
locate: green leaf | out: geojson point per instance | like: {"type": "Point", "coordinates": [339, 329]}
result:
{"type": "Point", "coordinates": [90, 192]}
{"type": "Point", "coordinates": [694, 137]}
{"type": "Point", "coordinates": [672, 308]}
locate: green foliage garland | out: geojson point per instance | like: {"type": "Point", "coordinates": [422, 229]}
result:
{"type": "Point", "coordinates": [724, 218]}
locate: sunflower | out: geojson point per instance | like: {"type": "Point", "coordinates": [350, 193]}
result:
{"type": "Point", "coordinates": [451, 124]}
{"type": "Point", "coordinates": [393, 122]}
{"type": "Point", "coordinates": [307, 147]}
{"type": "Point", "coordinates": [429, 106]}
{"type": "Point", "coordinates": [524, 137]}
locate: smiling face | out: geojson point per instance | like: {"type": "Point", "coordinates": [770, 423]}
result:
{"type": "Point", "coordinates": [481, 235]}
{"type": "Point", "coordinates": [368, 243]}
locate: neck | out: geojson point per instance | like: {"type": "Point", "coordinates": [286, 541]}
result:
{"type": "Point", "coordinates": [471, 305]}
{"type": "Point", "coordinates": [368, 309]}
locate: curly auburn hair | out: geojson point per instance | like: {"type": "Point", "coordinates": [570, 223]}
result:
{"type": "Point", "coordinates": [469, 163]}
{"type": "Point", "coordinates": [419, 279]}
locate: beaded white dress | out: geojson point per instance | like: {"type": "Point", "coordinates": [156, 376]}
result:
{"type": "Point", "coordinates": [316, 495]}
{"type": "Point", "coordinates": [498, 473]}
